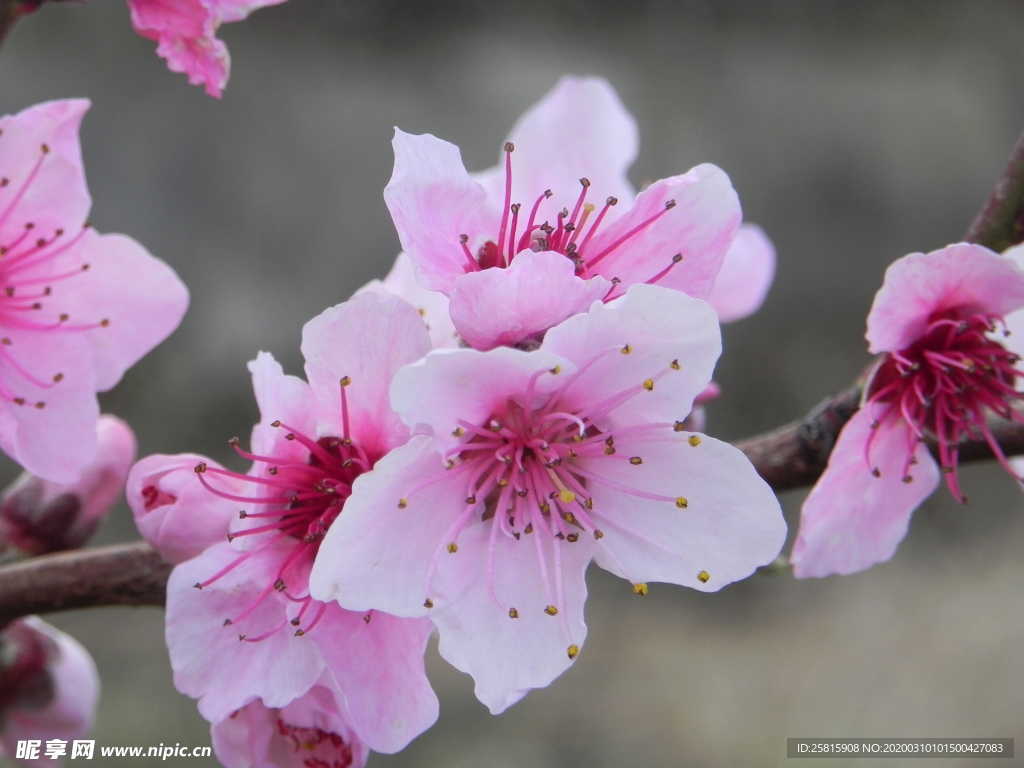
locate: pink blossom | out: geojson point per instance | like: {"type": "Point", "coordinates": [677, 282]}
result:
{"type": "Point", "coordinates": [37, 516]}
{"type": "Point", "coordinates": [240, 621]}
{"type": "Point", "coordinates": [48, 686]}
{"type": "Point", "coordinates": [186, 33]}
{"type": "Point", "coordinates": [78, 308]}
{"type": "Point", "coordinates": [944, 367]}
{"type": "Point", "coordinates": [310, 732]}
{"type": "Point", "coordinates": [568, 200]}
{"type": "Point", "coordinates": [538, 462]}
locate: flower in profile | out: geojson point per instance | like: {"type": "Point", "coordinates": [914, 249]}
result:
{"type": "Point", "coordinates": [310, 732]}
{"type": "Point", "coordinates": [557, 225]}
{"type": "Point", "coordinates": [938, 321]}
{"type": "Point", "coordinates": [77, 308]}
{"type": "Point", "coordinates": [48, 686]}
{"type": "Point", "coordinates": [536, 463]}
{"type": "Point", "coordinates": [241, 623]}
{"type": "Point", "coordinates": [37, 516]}
{"type": "Point", "coordinates": [186, 35]}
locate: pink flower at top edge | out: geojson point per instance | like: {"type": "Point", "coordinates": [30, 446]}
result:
{"type": "Point", "coordinates": [937, 320]}
{"type": "Point", "coordinates": [250, 629]}
{"type": "Point", "coordinates": [49, 691]}
{"type": "Point", "coordinates": [1015, 340]}
{"type": "Point", "coordinates": [77, 308]}
{"type": "Point", "coordinates": [186, 33]}
{"type": "Point", "coordinates": [557, 225]}
{"type": "Point", "coordinates": [38, 517]}
{"type": "Point", "coordinates": [313, 730]}
{"type": "Point", "coordinates": [538, 462]}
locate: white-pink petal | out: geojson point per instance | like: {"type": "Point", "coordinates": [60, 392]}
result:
{"type": "Point", "coordinates": [500, 307]}
{"type": "Point", "coordinates": [852, 520]}
{"type": "Point", "coordinates": [745, 276]}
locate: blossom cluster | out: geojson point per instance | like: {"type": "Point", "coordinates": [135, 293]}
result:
{"type": "Point", "coordinates": [521, 396]}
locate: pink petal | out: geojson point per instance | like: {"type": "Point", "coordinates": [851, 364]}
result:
{"type": "Point", "coordinates": [141, 297]}
{"type": "Point", "coordinates": [701, 227]}
{"type": "Point", "coordinates": [852, 520]}
{"type": "Point", "coordinates": [236, 10]}
{"type": "Point", "coordinates": [508, 657]}
{"type": "Point", "coordinates": [658, 327]}
{"type": "Point", "coordinates": [56, 440]}
{"type": "Point", "coordinates": [730, 525]}
{"type": "Point", "coordinates": [455, 385]}
{"type": "Point", "coordinates": [962, 276]}
{"type": "Point", "coordinates": [258, 737]}
{"type": "Point", "coordinates": [498, 307]}
{"type": "Point", "coordinates": [285, 399]}
{"type": "Point", "coordinates": [41, 163]}
{"type": "Point", "coordinates": [209, 661]}
{"type": "Point", "coordinates": [71, 713]}
{"type": "Point", "coordinates": [580, 129]}
{"type": "Point", "coordinates": [173, 511]}
{"type": "Point", "coordinates": [432, 202]}
{"type": "Point", "coordinates": [365, 340]}
{"type": "Point", "coordinates": [745, 277]}
{"type": "Point", "coordinates": [378, 666]}
{"type": "Point", "coordinates": [432, 305]}
{"type": "Point", "coordinates": [376, 555]}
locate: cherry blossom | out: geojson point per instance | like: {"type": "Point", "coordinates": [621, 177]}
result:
{"type": "Point", "coordinates": [49, 686]}
{"type": "Point", "coordinates": [77, 309]}
{"type": "Point", "coordinates": [535, 463]}
{"type": "Point", "coordinates": [186, 33]}
{"type": "Point", "coordinates": [557, 224]}
{"type": "Point", "coordinates": [938, 321]}
{"type": "Point", "coordinates": [241, 623]}
{"type": "Point", "coordinates": [37, 516]}
{"type": "Point", "coordinates": [310, 732]}
{"type": "Point", "coordinates": [745, 277]}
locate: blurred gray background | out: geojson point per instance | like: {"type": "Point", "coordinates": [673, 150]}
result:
{"type": "Point", "coordinates": [855, 132]}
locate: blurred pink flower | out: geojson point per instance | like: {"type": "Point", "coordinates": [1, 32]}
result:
{"type": "Point", "coordinates": [310, 732]}
{"type": "Point", "coordinates": [512, 272]}
{"type": "Point", "coordinates": [936, 320]}
{"type": "Point", "coordinates": [77, 309]}
{"type": "Point", "coordinates": [186, 35]}
{"type": "Point", "coordinates": [37, 516]}
{"type": "Point", "coordinates": [538, 462]}
{"type": "Point", "coordinates": [251, 628]}
{"type": "Point", "coordinates": [49, 687]}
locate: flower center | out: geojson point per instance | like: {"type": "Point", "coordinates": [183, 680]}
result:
{"type": "Point", "coordinates": [570, 235]}
{"type": "Point", "coordinates": [321, 749]}
{"type": "Point", "coordinates": [293, 503]}
{"type": "Point", "coordinates": [942, 385]}
{"type": "Point", "coordinates": [527, 471]}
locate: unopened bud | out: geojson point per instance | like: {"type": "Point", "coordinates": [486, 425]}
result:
{"type": "Point", "coordinates": [38, 516]}
{"type": "Point", "coordinates": [48, 682]}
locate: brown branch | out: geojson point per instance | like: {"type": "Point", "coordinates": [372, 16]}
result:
{"type": "Point", "coordinates": [1000, 222]}
{"type": "Point", "coordinates": [121, 574]}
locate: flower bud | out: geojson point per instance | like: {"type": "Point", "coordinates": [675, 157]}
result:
{"type": "Point", "coordinates": [48, 685]}
{"type": "Point", "coordinates": [38, 516]}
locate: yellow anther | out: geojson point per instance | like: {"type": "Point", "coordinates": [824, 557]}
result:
{"type": "Point", "coordinates": [609, 451]}
{"type": "Point", "coordinates": [693, 440]}
{"type": "Point", "coordinates": [458, 432]}
{"type": "Point", "coordinates": [640, 589]}
{"type": "Point", "coordinates": [588, 207]}
{"type": "Point", "coordinates": [908, 479]}
{"type": "Point", "coordinates": [589, 503]}
{"type": "Point", "coordinates": [703, 576]}
{"type": "Point", "coordinates": [568, 497]}
{"type": "Point", "coordinates": [598, 535]}
{"type": "Point", "coordinates": [636, 461]}
{"type": "Point", "coordinates": [674, 365]}
{"type": "Point", "coordinates": [573, 651]}
{"type": "Point", "coordinates": [502, 483]}
{"type": "Point", "coordinates": [345, 381]}
{"type": "Point", "coordinates": [453, 547]}
{"type": "Point", "coordinates": [680, 426]}
{"type": "Point", "coordinates": [569, 518]}
{"type": "Point", "coordinates": [545, 508]}
{"type": "Point", "coordinates": [572, 538]}
{"type": "Point", "coordinates": [513, 613]}
{"type": "Point", "coordinates": [402, 503]}
{"type": "Point", "coordinates": [471, 499]}
{"type": "Point", "coordinates": [551, 610]}
{"type": "Point", "coordinates": [529, 528]}
{"type": "Point", "coordinates": [876, 472]}
{"type": "Point", "coordinates": [649, 385]}
{"type": "Point", "coordinates": [428, 603]}
{"type": "Point", "coordinates": [681, 502]}
{"type": "Point", "coordinates": [556, 370]}
{"type": "Point", "coordinates": [627, 349]}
